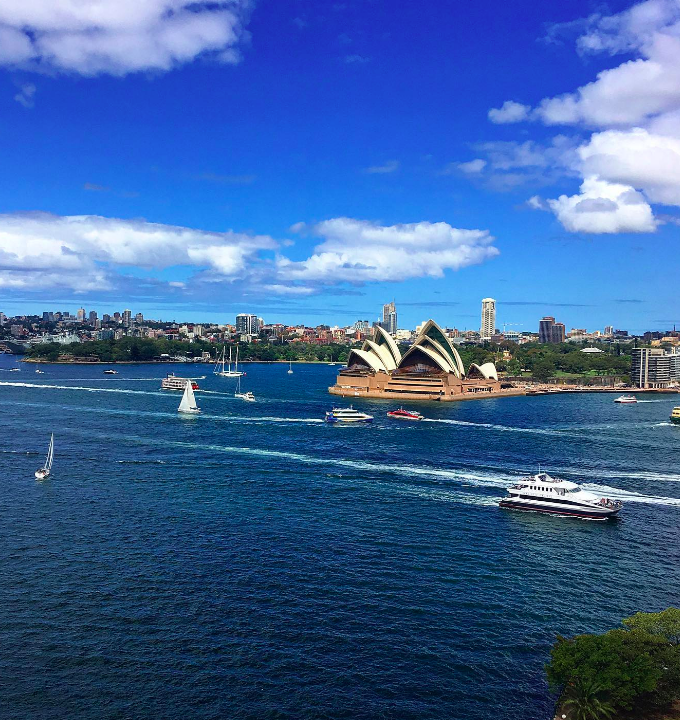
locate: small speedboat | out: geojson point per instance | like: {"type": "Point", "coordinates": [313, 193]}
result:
{"type": "Point", "coordinates": [347, 415]}
{"type": "Point", "coordinates": [675, 415]}
{"type": "Point", "coordinates": [545, 494]}
{"type": "Point", "coordinates": [39, 371]}
{"type": "Point", "coordinates": [402, 414]}
{"type": "Point", "coordinates": [14, 369]}
{"type": "Point", "coordinates": [247, 396]}
{"type": "Point", "coordinates": [110, 372]}
{"type": "Point", "coordinates": [626, 399]}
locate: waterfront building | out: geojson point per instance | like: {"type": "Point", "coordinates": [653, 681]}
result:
{"type": "Point", "coordinates": [389, 318]}
{"type": "Point", "coordinates": [488, 326]}
{"type": "Point", "coordinates": [431, 369]}
{"type": "Point", "coordinates": [650, 368]}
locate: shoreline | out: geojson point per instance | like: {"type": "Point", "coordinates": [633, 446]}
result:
{"type": "Point", "coordinates": [37, 361]}
{"type": "Point", "coordinates": [511, 392]}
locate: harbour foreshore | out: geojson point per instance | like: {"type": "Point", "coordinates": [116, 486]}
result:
{"type": "Point", "coordinates": [506, 392]}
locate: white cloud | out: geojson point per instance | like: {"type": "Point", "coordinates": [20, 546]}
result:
{"type": "Point", "coordinates": [634, 157]}
{"type": "Point", "coordinates": [118, 36]}
{"type": "Point", "coordinates": [39, 251]}
{"type": "Point", "coordinates": [638, 158]}
{"type": "Point", "coordinates": [389, 167]}
{"type": "Point", "coordinates": [26, 95]}
{"type": "Point", "coordinates": [603, 207]}
{"type": "Point", "coordinates": [635, 91]}
{"type": "Point", "coordinates": [509, 112]}
{"type": "Point", "coordinates": [472, 167]}
{"type": "Point", "coordinates": [81, 252]}
{"type": "Point", "coordinates": [362, 251]}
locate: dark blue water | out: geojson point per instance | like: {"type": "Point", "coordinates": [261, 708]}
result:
{"type": "Point", "coordinates": [254, 562]}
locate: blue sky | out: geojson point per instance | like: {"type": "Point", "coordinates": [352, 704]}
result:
{"type": "Point", "coordinates": [309, 161]}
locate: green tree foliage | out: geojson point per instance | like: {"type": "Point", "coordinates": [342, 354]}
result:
{"type": "Point", "coordinates": [634, 669]}
{"type": "Point", "coordinates": [131, 349]}
{"type": "Point", "coordinates": [587, 700]}
{"type": "Point", "coordinates": [542, 369]}
{"type": "Point", "coordinates": [665, 624]}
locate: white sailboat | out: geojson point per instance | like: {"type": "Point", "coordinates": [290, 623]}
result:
{"type": "Point", "coordinates": [188, 402]}
{"type": "Point", "coordinates": [46, 470]}
{"type": "Point", "coordinates": [290, 368]}
{"type": "Point", "coordinates": [220, 366]}
{"type": "Point", "coordinates": [247, 396]}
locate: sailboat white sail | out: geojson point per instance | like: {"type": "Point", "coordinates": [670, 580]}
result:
{"type": "Point", "coordinates": [290, 367]}
{"type": "Point", "coordinates": [46, 470]}
{"type": "Point", "coordinates": [188, 402]}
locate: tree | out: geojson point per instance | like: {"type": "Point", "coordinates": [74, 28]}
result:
{"type": "Point", "coordinates": [637, 667]}
{"type": "Point", "coordinates": [665, 624]}
{"type": "Point", "coordinates": [543, 369]}
{"type": "Point", "coordinates": [586, 700]}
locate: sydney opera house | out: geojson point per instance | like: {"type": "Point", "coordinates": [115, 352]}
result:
{"type": "Point", "coordinates": [431, 369]}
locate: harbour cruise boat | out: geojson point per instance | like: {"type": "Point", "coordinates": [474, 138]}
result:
{"type": "Point", "coordinates": [626, 399]}
{"type": "Point", "coordinates": [172, 382]}
{"type": "Point", "coordinates": [542, 493]}
{"type": "Point", "coordinates": [347, 415]}
{"type": "Point", "coordinates": [402, 414]}
{"type": "Point", "coordinates": [675, 415]}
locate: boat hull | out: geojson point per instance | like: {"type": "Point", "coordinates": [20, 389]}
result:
{"type": "Point", "coordinates": [42, 474]}
{"type": "Point", "coordinates": [580, 512]}
{"type": "Point", "coordinates": [348, 421]}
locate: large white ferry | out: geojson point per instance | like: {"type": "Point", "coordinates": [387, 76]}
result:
{"type": "Point", "coordinates": [172, 382]}
{"type": "Point", "coordinates": [347, 415]}
{"type": "Point", "coordinates": [542, 493]}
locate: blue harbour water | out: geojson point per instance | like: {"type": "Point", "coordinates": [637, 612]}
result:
{"type": "Point", "coordinates": [256, 563]}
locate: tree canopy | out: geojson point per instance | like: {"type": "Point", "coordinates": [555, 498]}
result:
{"type": "Point", "coordinates": [633, 669]}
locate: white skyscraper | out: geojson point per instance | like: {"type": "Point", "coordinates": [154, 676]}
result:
{"type": "Point", "coordinates": [488, 327]}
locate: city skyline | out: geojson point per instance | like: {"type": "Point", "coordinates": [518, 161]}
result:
{"type": "Point", "coordinates": [324, 204]}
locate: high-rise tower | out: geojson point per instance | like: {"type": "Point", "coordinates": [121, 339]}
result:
{"type": "Point", "coordinates": [389, 318]}
{"type": "Point", "coordinates": [488, 326]}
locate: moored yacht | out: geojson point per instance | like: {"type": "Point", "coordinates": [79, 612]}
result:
{"type": "Point", "coordinates": [347, 415]}
{"type": "Point", "coordinates": [626, 399]}
{"type": "Point", "coordinates": [542, 493]}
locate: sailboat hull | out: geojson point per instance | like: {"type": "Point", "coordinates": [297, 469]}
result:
{"type": "Point", "coordinates": [42, 474]}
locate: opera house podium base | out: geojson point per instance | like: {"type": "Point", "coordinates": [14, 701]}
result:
{"type": "Point", "coordinates": [445, 388]}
